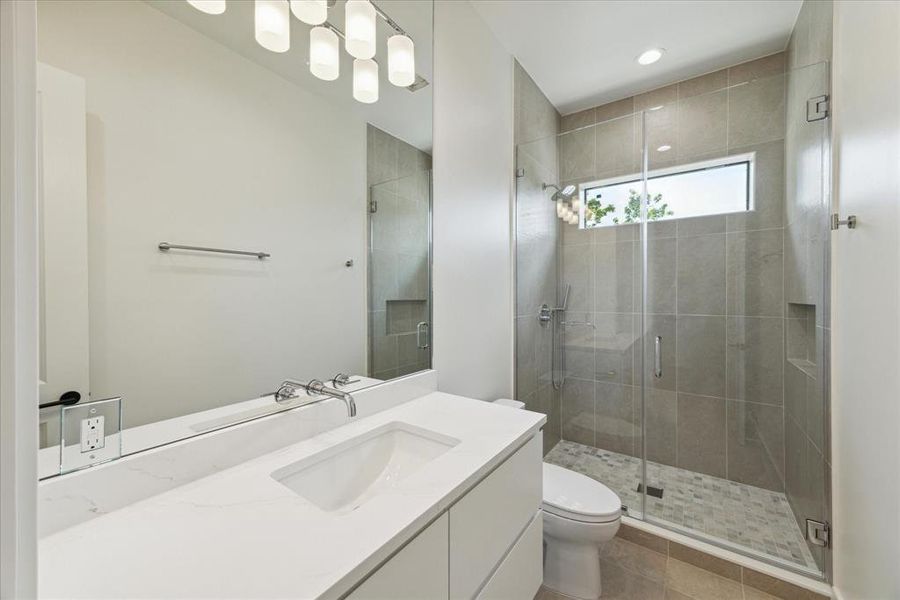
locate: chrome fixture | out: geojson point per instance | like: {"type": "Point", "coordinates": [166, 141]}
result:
{"type": "Point", "coordinates": [657, 357]}
{"type": "Point", "coordinates": [423, 333]}
{"type": "Point", "coordinates": [291, 389]}
{"type": "Point", "coordinates": [546, 314]}
{"type": "Point", "coordinates": [342, 379]}
{"type": "Point", "coordinates": [564, 194]}
{"type": "Point", "coordinates": [578, 324]}
{"type": "Point", "coordinates": [165, 246]}
{"type": "Point", "coordinates": [837, 221]}
{"type": "Point", "coordinates": [816, 109]}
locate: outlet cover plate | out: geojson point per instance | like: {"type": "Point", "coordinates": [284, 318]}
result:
{"type": "Point", "coordinates": [91, 434]}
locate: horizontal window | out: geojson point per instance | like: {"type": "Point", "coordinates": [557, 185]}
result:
{"type": "Point", "coordinates": [712, 187]}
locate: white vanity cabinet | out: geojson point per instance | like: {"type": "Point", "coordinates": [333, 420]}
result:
{"type": "Point", "coordinates": [488, 545]}
{"type": "Point", "coordinates": [418, 571]}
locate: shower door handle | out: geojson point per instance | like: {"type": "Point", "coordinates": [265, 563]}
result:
{"type": "Point", "coordinates": [422, 331]}
{"type": "Point", "coordinates": [657, 357]}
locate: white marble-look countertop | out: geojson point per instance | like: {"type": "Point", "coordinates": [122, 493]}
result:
{"type": "Point", "coordinates": [241, 534]}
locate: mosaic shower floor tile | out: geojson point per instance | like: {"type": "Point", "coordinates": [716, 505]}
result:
{"type": "Point", "coordinates": [749, 516]}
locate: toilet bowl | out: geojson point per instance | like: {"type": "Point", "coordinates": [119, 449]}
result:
{"type": "Point", "coordinates": [580, 515]}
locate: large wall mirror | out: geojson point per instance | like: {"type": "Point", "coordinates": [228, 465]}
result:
{"type": "Point", "coordinates": [216, 218]}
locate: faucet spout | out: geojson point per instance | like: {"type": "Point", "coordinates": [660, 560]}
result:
{"type": "Point", "coordinates": [289, 389]}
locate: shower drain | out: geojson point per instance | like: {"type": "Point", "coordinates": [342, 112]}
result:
{"type": "Point", "coordinates": [651, 490]}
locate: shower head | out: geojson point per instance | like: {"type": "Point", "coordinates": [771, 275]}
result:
{"type": "Point", "coordinates": [565, 194]}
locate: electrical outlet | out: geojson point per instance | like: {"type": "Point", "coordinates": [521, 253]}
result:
{"type": "Point", "coordinates": [92, 436]}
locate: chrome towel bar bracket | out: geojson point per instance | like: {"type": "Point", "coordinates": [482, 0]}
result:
{"type": "Point", "coordinates": [165, 246]}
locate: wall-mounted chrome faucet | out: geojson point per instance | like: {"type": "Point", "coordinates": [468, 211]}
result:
{"type": "Point", "coordinates": [288, 390]}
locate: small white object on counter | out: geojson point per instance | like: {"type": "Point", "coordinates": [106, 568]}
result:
{"type": "Point", "coordinates": [241, 533]}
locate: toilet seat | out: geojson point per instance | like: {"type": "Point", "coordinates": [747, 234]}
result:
{"type": "Point", "coordinates": [574, 496]}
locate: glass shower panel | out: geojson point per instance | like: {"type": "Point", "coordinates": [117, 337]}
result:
{"type": "Point", "coordinates": [733, 315]}
{"type": "Point", "coordinates": [539, 370]}
{"type": "Point", "coordinates": [400, 273]}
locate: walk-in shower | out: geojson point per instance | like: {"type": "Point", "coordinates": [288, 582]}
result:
{"type": "Point", "coordinates": [685, 368]}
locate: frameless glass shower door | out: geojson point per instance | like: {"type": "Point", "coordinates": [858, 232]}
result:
{"type": "Point", "coordinates": [734, 311]}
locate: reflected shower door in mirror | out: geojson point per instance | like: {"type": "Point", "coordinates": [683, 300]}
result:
{"type": "Point", "coordinates": [205, 210]}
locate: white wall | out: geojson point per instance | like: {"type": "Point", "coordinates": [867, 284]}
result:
{"type": "Point", "coordinates": [473, 175]}
{"type": "Point", "coordinates": [18, 303]}
{"type": "Point", "coordinates": [190, 143]}
{"type": "Point", "coordinates": [866, 301]}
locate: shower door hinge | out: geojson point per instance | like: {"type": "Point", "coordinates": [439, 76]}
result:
{"type": "Point", "coordinates": [520, 172]}
{"type": "Point", "coordinates": [373, 206]}
{"type": "Point", "coordinates": [816, 108]}
{"type": "Point", "coordinates": [818, 532]}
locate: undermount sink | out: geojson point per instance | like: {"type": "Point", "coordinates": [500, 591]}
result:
{"type": "Point", "coordinates": [342, 478]}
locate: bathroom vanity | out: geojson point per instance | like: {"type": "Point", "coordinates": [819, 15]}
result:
{"type": "Point", "coordinates": [392, 505]}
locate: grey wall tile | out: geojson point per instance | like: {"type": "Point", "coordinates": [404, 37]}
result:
{"type": "Point", "coordinates": [576, 154]}
{"type": "Point", "coordinates": [614, 110]}
{"type": "Point", "coordinates": [663, 96]}
{"type": "Point", "coordinates": [755, 359]}
{"type": "Point", "coordinates": [755, 444]}
{"type": "Point", "coordinates": [661, 430]}
{"type": "Point", "coordinates": [614, 347]}
{"type": "Point", "coordinates": [578, 411]}
{"type": "Point", "coordinates": [615, 152]}
{"type": "Point", "coordinates": [756, 111]}
{"type": "Point", "coordinates": [701, 355]}
{"type": "Point", "coordinates": [702, 125]}
{"type": "Point", "coordinates": [774, 64]}
{"type": "Point", "coordinates": [701, 434]}
{"type": "Point", "coordinates": [704, 84]}
{"type": "Point", "coordinates": [701, 275]}
{"type": "Point", "coordinates": [768, 209]}
{"type": "Point", "coordinates": [614, 417]}
{"type": "Point", "coordinates": [578, 346]}
{"type": "Point", "coordinates": [578, 120]}
{"type": "Point", "coordinates": [754, 271]}
{"type": "Point", "coordinates": [693, 226]}
{"type": "Point", "coordinates": [535, 117]}
{"type": "Point", "coordinates": [578, 272]}
{"type": "Point", "coordinates": [526, 368]}
{"type": "Point", "coordinates": [662, 258]}
{"type": "Point", "coordinates": [794, 393]}
{"type": "Point", "coordinates": [613, 277]}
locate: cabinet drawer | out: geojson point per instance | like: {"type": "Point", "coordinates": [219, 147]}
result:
{"type": "Point", "coordinates": [417, 572]}
{"type": "Point", "coordinates": [521, 572]}
{"type": "Point", "coordinates": [485, 523]}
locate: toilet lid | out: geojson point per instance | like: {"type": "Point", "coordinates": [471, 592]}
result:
{"type": "Point", "coordinates": [575, 496]}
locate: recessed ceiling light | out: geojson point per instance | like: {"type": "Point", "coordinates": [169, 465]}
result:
{"type": "Point", "coordinates": [664, 148]}
{"type": "Point", "coordinates": [650, 56]}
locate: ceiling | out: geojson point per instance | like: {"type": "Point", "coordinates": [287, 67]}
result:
{"type": "Point", "coordinates": [581, 53]}
{"type": "Point", "coordinates": [404, 114]}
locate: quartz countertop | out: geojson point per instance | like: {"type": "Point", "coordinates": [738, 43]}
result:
{"type": "Point", "coordinates": [241, 534]}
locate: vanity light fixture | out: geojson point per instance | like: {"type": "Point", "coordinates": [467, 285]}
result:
{"type": "Point", "coordinates": [272, 24]}
{"type": "Point", "coordinates": [401, 60]}
{"type": "Point", "coordinates": [210, 7]}
{"type": "Point", "coordinates": [360, 33]}
{"type": "Point", "coordinates": [664, 148]}
{"type": "Point", "coordinates": [365, 80]}
{"type": "Point", "coordinates": [648, 57]}
{"type": "Point", "coordinates": [324, 53]}
{"type": "Point", "coordinates": [272, 30]}
{"type": "Point", "coordinates": [311, 12]}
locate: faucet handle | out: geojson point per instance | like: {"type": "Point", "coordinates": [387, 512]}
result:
{"type": "Point", "coordinates": [342, 379]}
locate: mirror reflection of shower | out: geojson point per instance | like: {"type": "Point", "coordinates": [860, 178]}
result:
{"type": "Point", "coordinates": [567, 202]}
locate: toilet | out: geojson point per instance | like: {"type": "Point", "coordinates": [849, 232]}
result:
{"type": "Point", "coordinates": [580, 515]}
